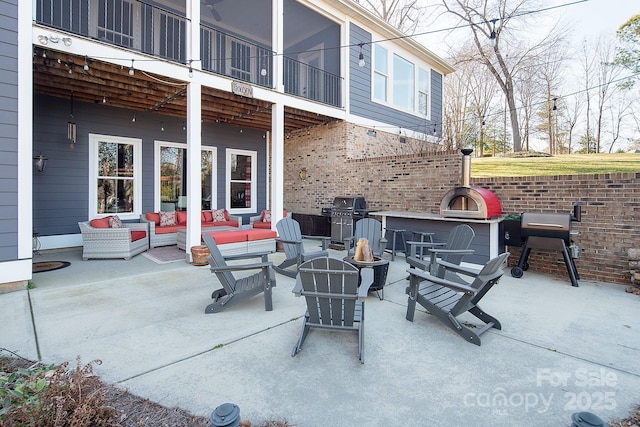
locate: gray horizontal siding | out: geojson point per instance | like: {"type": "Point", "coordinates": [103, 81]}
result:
{"type": "Point", "coordinates": [8, 130]}
{"type": "Point", "coordinates": [360, 90]}
{"type": "Point", "coordinates": [60, 193]}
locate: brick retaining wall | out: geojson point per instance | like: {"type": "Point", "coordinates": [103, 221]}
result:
{"type": "Point", "coordinates": [414, 176]}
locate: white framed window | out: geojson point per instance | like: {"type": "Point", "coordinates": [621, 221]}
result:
{"type": "Point", "coordinates": [115, 176]}
{"type": "Point", "coordinates": [170, 177]}
{"type": "Point", "coordinates": [403, 83]}
{"type": "Point", "coordinates": [399, 83]}
{"type": "Point", "coordinates": [380, 73]}
{"type": "Point", "coordinates": [423, 92]}
{"type": "Point", "coordinates": [241, 181]}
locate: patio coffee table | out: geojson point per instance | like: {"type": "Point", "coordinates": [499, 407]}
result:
{"type": "Point", "coordinates": [380, 268]}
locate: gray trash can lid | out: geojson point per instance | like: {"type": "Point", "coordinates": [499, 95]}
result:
{"type": "Point", "coordinates": [587, 419]}
{"type": "Point", "coordinates": [226, 415]}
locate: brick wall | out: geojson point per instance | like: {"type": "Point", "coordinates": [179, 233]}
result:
{"type": "Point", "coordinates": [342, 160]}
{"type": "Point", "coordinates": [609, 226]}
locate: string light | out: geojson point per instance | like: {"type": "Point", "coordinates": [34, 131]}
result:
{"type": "Point", "coordinates": [86, 64]}
{"type": "Point", "coordinates": [361, 62]}
{"type": "Point", "coordinates": [493, 37]}
{"type": "Point", "coordinates": [131, 69]}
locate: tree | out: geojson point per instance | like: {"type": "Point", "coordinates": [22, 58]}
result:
{"type": "Point", "coordinates": [499, 44]}
{"type": "Point", "coordinates": [405, 15]}
{"type": "Point", "coordinates": [628, 53]}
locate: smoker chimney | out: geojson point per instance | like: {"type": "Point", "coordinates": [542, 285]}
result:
{"type": "Point", "coordinates": [466, 166]}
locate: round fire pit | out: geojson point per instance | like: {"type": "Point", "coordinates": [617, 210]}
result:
{"type": "Point", "coordinates": [380, 268]}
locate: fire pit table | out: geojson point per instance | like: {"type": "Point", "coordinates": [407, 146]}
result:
{"type": "Point", "coordinates": [380, 269]}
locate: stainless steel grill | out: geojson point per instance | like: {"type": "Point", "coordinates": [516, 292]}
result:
{"type": "Point", "coordinates": [550, 231]}
{"type": "Point", "coordinates": [344, 213]}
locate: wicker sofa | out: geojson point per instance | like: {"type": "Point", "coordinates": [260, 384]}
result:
{"type": "Point", "coordinates": [124, 242]}
{"type": "Point", "coordinates": [258, 221]}
{"type": "Point", "coordinates": [167, 235]}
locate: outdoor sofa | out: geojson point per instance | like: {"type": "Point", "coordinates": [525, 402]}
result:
{"type": "Point", "coordinates": [100, 239]}
{"type": "Point", "coordinates": [163, 232]}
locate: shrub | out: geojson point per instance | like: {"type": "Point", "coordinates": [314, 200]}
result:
{"type": "Point", "coordinates": [49, 395]}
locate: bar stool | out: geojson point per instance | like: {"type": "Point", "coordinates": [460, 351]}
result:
{"type": "Point", "coordinates": [393, 241]}
{"type": "Point", "coordinates": [422, 235]}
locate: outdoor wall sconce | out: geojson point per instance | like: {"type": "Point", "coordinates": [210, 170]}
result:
{"type": "Point", "coordinates": [40, 162]}
{"type": "Point", "coordinates": [71, 134]}
{"type": "Point", "coordinates": [361, 62]}
{"type": "Point", "coordinates": [303, 174]}
{"type": "Point", "coordinates": [372, 133]}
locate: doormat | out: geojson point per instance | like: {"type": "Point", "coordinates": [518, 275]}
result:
{"type": "Point", "coordinates": [165, 254]}
{"type": "Point", "coordinates": [41, 267]}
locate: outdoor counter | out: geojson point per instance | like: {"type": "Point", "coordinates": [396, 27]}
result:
{"type": "Point", "coordinates": [486, 242]}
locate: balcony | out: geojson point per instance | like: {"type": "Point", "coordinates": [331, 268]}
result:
{"type": "Point", "coordinates": [131, 24]}
{"type": "Point", "coordinates": [160, 32]}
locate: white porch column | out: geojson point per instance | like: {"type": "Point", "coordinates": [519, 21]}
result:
{"type": "Point", "coordinates": [277, 40]}
{"type": "Point", "coordinates": [277, 115]}
{"type": "Point", "coordinates": [194, 131]}
{"type": "Point", "coordinates": [194, 183]}
{"type": "Point", "coordinates": [277, 163]}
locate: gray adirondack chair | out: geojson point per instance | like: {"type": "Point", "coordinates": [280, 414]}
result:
{"type": "Point", "coordinates": [370, 229]}
{"type": "Point", "coordinates": [235, 290]}
{"type": "Point", "coordinates": [291, 237]}
{"type": "Point", "coordinates": [447, 300]}
{"type": "Point", "coordinates": [334, 300]}
{"type": "Point", "coordinates": [451, 251]}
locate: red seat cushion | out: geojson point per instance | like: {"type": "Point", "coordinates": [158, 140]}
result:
{"type": "Point", "coordinates": [100, 222]}
{"type": "Point", "coordinates": [137, 235]}
{"type": "Point", "coordinates": [220, 224]}
{"type": "Point", "coordinates": [265, 225]}
{"type": "Point", "coordinates": [168, 229]}
{"type": "Point", "coordinates": [223, 237]}
{"type": "Point", "coordinates": [261, 234]}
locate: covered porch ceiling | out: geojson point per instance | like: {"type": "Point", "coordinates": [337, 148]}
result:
{"type": "Point", "coordinates": [60, 74]}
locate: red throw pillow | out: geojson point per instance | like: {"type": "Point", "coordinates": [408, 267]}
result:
{"type": "Point", "coordinates": [153, 216]}
{"type": "Point", "coordinates": [167, 218]}
{"type": "Point", "coordinates": [181, 217]}
{"type": "Point", "coordinates": [100, 222]}
{"type": "Point", "coordinates": [226, 216]}
{"type": "Point", "coordinates": [208, 217]}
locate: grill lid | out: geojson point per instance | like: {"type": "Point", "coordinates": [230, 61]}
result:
{"type": "Point", "coordinates": [356, 203]}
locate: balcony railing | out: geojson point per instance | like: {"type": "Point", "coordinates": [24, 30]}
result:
{"type": "Point", "coordinates": [309, 82]}
{"type": "Point", "coordinates": [231, 56]}
{"type": "Point", "coordinates": [142, 27]}
{"type": "Point", "coordinates": [127, 23]}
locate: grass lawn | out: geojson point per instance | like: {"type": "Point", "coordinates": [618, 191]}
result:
{"type": "Point", "coordinates": [564, 164]}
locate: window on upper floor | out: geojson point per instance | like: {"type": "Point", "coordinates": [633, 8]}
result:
{"type": "Point", "coordinates": [115, 173]}
{"type": "Point", "coordinates": [400, 83]}
{"type": "Point", "coordinates": [380, 73]}
{"type": "Point", "coordinates": [241, 181]}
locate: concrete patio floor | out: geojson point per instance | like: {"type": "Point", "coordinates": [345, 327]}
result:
{"type": "Point", "coordinates": [561, 349]}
